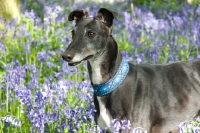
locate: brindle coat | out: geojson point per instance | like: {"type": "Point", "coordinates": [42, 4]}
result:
{"type": "Point", "coordinates": [154, 97]}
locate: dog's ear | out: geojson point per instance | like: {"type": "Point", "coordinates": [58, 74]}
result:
{"type": "Point", "coordinates": [106, 16]}
{"type": "Point", "coordinates": [78, 14]}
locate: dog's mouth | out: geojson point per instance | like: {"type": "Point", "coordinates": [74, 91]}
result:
{"type": "Point", "coordinates": [76, 63]}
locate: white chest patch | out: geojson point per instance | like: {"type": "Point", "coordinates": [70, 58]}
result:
{"type": "Point", "coordinates": [104, 119]}
{"type": "Point", "coordinates": [96, 76]}
{"type": "Point", "coordinates": [96, 71]}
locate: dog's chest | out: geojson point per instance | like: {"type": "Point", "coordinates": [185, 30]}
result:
{"type": "Point", "coordinates": [104, 119]}
{"type": "Point", "coordinates": [96, 76]}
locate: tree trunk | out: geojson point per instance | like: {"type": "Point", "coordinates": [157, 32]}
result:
{"type": "Point", "coordinates": [10, 9]}
{"type": "Point", "coordinates": [189, 1]}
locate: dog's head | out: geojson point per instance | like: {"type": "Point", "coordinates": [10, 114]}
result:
{"type": "Point", "coordinates": [89, 36]}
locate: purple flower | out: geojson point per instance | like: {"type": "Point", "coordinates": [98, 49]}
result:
{"type": "Point", "coordinates": [139, 58]}
{"type": "Point", "coordinates": [42, 56]}
{"type": "Point", "coordinates": [190, 127]}
{"type": "Point", "coordinates": [177, 21]}
{"type": "Point", "coordinates": [24, 95]}
{"type": "Point", "coordinates": [198, 56]}
{"type": "Point", "coordinates": [12, 120]}
{"type": "Point", "coordinates": [126, 123]}
{"type": "Point", "coordinates": [116, 127]}
{"type": "Point", "coordinates": [47, 10]}
{"type": "Point", "coordinates": [60, 19]}
{"type": "Point", "coordinates": [2, 48]}
{"type": "Point", "coordinates": [127, 17]}
{"type": "Point", "coordinates": [198, 10]}
{"type": "Point", "coordinates": [31, 15]}
{"type": "Point", "coordinates": [58, 9]}
{"type": "Point", "coordinates": [27, 48]}
{"type": "Point", "coordinates": [139, 130]}
{"type": "Point", "coordinates": [125, 54]}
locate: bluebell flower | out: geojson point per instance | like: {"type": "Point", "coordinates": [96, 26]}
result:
{"type": "Point", "coordinates": [11, 120]}
{"type": "Point", "coordinates": [2, 48]}
{"type": "Point", "coordinates": [42, 56]}
{"type": "Point", "coordinates": [117, 125]}
{"type": "Point", "coordinates": [126, 123]}
{"type": "Point", "coordinates": [198, 9]}
{"type": "Point", "coordinates": [24, 95]}
{"type": "Point", "coordinates": [2, 20]}
{"type": "Point", "coordinates": [39, 97]}
{"type": "Point", "coordinates": [47, 10]}
{"type": "Point", "coordinates": [139, 130]}
{"type": "Point", "coordinates": [128, 17]}
{"type": "Point", "coordinates": [24, 32]}
{"type": "Point", "coordinates": [192, 127]}
{"type": "Point", "coordinates": [126, 55]}
{"type": "Point", "coordinates": [31, 15]}
{"type": "Point", "coordinates": [58, 9]}
{"type": "Point", "coordinates": [139, 58]}
{"type": "Point", "coordinates": [60, 19]}
{"type": "Point", "coordinates": [63, 124]}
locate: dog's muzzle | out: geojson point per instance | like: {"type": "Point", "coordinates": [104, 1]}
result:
{"type": "Point", "coordinates": [69, 58]}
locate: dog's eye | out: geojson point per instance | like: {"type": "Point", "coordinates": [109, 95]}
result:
{"type": "Point", "coordinates": [91, 34]}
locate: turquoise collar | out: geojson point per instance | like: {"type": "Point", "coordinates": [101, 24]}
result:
{"type": "Point", "coordinates": [113, 83]}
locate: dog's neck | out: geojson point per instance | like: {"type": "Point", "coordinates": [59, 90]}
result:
{"type": "Point", "coordinates": [104, 67]}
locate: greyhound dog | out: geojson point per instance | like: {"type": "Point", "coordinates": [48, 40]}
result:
{"type": "Point", "coordinates": [154, 97]}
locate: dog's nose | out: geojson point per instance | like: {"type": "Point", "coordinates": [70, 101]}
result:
{"type": "Point", "coordinates": [67, 57]}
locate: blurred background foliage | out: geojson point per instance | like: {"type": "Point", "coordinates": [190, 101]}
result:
{"type": "Point", "coordinates": [13, 6]}
{"type": "Point", "coordinates": [152, 5]}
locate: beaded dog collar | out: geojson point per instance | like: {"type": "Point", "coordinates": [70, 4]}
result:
{"type": "Point", "coordinates": [113, 83]}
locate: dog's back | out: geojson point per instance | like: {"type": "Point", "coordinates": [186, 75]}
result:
{"type": "Point", "coordinates": [165, 94]}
